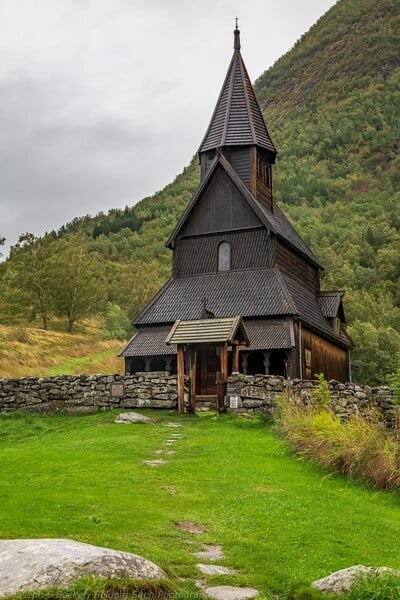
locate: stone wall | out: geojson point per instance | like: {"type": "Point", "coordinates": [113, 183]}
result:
{"type": "Point", "coordinates": [247, 393]}
{"type": "Point", "coordinates": [89, 393]}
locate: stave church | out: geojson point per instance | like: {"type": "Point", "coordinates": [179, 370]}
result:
{"type": "Point", "coordinates": [244, 295]}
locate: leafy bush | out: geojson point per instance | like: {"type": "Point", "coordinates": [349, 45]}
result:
{"type": "Point", "coordinates": [116, 323]}
{"type": "Point", "coordinates": [321, 395]}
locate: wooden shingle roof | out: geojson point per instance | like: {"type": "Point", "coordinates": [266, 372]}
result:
{"type": "Point", "coordinates": [250, 293]}
{"type": "Point", "coordinates": [237, 119]}
{"type": "Point", "coordinates": [270, 334]}
{"type": "Point", "coordinates": [149, 341]}
{"type": "Point", "coordinates": [208, 331]}
{"type": "Point", "coordinates": [331, 304]}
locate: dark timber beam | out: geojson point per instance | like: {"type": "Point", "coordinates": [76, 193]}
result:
{"type": "Point", "coordinates": [192, 390]}
{"type": "Point", "coordinates": [181, 378]}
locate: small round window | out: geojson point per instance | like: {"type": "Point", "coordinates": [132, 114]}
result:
{"type": "Point", "coordinates": [224, 257]}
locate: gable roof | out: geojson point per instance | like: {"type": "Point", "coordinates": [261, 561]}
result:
{"type": "Point", "coordinates": [274, 221]}
{"type": "Point", "coordinates": [237, 119]}
{"type": "Point", "coordinates": [206, 331]}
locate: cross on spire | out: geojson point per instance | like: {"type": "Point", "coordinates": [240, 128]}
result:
{"type": "Point", "coordinates": [236, 36]}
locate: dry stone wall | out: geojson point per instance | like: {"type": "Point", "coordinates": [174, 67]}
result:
{"type": "Point", "coordinates": [248, 393]}
{"type": "Point", "coordinates": [88, 393]}
{"type": "Point", "coordinates": [245, 393]}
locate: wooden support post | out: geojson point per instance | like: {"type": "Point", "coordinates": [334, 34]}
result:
{"type": "Point", "coordinates": [181, 378]}
{"type": "Point", "coordinates": [192, 401]}
{"type": "Point", "coordinates": [235, 357]}
{"type": "Point", "coordinates": [224, 362]}
{"type": "Point", "coordinates": [224, 377]}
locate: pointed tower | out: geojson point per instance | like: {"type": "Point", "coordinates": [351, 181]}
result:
{"type": "Point", "coordinates": [237, 129]}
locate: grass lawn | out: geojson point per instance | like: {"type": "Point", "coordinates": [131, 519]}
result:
{"type": "Point", "coordinates": [279, 520]}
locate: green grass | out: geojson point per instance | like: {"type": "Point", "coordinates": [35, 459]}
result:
{"type": "Point", "coordinates": [280, 521]}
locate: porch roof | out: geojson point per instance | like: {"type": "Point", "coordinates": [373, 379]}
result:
{"type": "Point", "coordinates": [209, 331]}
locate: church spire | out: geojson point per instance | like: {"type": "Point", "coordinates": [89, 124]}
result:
{"type": "Point", "coordinates": [236, 37]}
{"type": "Point", "coordinates": [237, 119]}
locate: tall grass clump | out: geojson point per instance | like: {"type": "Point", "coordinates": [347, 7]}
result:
{"type": "Point", "coordinates": [359, 448]}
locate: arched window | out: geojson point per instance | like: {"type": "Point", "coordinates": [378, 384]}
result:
{"type": "Point", "coordinates": [224, 256]}
{"type": "Point", "coordinates": [158, 364]}
{"type": "Point", "coordinates": [137, 365]}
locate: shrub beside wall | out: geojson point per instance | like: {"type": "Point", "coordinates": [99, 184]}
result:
{"type": "Point", "coordinates": [261, 392]}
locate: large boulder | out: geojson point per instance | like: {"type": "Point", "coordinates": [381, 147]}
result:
{"type": "Point", "coordinates": [36, 564]}
{"type": "Point", "coordinates": [343, 580]}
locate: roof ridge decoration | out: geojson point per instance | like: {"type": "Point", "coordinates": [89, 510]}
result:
{"type": "Point", "coordinates": [237, 119]}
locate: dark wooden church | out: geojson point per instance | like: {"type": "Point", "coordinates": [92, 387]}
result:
{"type": "Point", "coordinates": [235, 254]}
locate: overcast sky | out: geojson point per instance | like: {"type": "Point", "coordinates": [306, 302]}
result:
{"type": "Point", "coordinates": [103, 102]}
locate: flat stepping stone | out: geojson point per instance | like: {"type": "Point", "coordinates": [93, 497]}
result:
{"type": "Point", "coordinates": [210, 553]}
{"type": "Point", "coordinates": [215, 570]}
{"type": "Point", "coordinates": [176, 436]}
{"type": "Point", "coordinates": [133, 417]}
{"type": "Point", "coordinates": [191, 527]}
{"type": "Point", "coordinates": [155, 463]}
{"type": "Point", "coordinates": [172, 425]}
{"type": "Point", "coordinates": [228, 592]}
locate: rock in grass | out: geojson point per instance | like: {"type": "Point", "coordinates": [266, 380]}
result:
{"type": "Point", "coordinates": [343, 580]}
{"type": "Point", "coordinates": [37, 564]}
{"type": "Point", "coordinates": [132, 417]}
{"type": "Point", "coordinates": [228, 592]}
{"type": "Point", "coordinates": [210, 552]}
{"type": "Point", "coordinates": [215, 569]}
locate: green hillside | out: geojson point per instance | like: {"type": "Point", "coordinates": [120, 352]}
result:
{"type": "Point", "coordinates": [332, 107]}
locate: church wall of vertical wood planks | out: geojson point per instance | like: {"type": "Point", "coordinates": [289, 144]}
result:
{"type": "Point", "coordinates": [238, 262]}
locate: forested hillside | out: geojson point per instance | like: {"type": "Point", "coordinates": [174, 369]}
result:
{"type": "Point", "coordinates": [332, 108]}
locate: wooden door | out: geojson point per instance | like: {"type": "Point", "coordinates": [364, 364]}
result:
{"type": "Point", "coordinates": [206, 372]}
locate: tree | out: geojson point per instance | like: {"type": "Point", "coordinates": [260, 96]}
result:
{"type": "Point", "coordinates": [78, 280]}
{"type": "Point", "coordinates": [132, 284]}
{"type": "Point", "coordinates": [28, 270]}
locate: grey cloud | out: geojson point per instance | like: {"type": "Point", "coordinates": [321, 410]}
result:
{"type": "Point", "coordinates": [103, 102]}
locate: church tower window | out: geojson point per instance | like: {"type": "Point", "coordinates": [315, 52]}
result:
{"type": "Point", "coordinates": [224, 256]}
